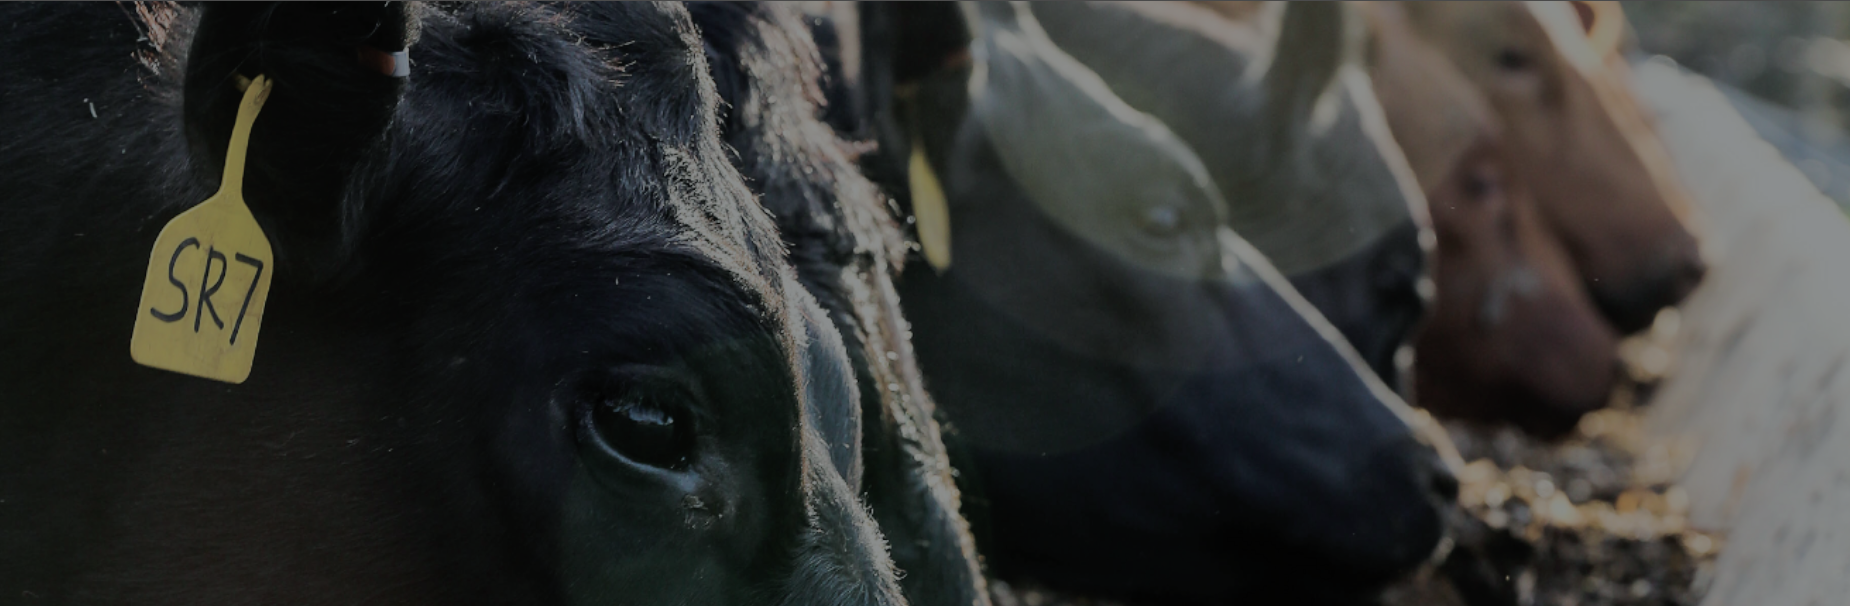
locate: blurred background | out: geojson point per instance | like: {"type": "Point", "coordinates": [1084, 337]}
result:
{"type": "Point", "coordinates": [1790, 60]}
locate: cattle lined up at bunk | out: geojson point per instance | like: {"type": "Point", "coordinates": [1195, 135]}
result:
{"type": "Point", "coordinates": [1287, 127]}
{"type": "Point", "coordinates": [734, 303]}
{"type": "Point", "coordinates": [846, 248]}
{"type": "Point", "coordinates": [1150, 409]}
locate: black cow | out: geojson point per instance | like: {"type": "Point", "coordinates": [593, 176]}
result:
{"type": "Point", "coordinates": [846, 248]}
{"type": "Point", "coordinates": [529, 338]}
{"type": "Point", "coordinates": [1289, 128]}
{"type": "Point", "coordinates": [1153, 411]}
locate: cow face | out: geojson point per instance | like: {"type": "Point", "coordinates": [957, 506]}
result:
{"type": "Point", "coordinates": [845, 245]}
{"type": "Point", "coordinates": [1602, 179]}
{"type": "Point", "coordinates": [529, 338]}
{"type": "Point", "coordinates": [1284, 120]}
{"type": "Point", "coordinates": [1153, 410]}
{"type": "Point", "coordinates": [1513, 333]}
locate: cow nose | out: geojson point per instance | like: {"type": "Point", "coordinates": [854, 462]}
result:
{"type": "Point", "coordinates": [1439, 477]}
{"type": "Point", "coordinates": [1631, 307]}
{"type": "Point", "coordinates": [1687, 277]}
{"type": "Point", "coordinates": [1413, 489]}
{"type": "Point", "coordinates": [1678, 273]}
{"type": "Point", "coordinates": [1429, 472]}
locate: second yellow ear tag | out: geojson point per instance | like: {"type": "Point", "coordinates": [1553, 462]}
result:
{"type": "Point", "coordinates": [209, 276]}
{"type": "Point", "coordinates": [931, 210]}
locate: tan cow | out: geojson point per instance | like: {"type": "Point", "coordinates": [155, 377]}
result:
{"type": "Point", "coordinates": [1513, 335]}
{"type": "Point", "coordinates": [1601, 177]}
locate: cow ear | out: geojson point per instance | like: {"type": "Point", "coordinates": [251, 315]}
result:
{"type": "Point", "coordinates": [337, 72]}
{"type": "Point", "coordinates": [903, 43]}
{"type": "Point", "coordinates": [1604, 23]}
{"type": "Point", "coordinates": [1315, 40]}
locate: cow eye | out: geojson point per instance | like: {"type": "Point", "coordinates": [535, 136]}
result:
{"type": "Point", "coordinates": [1512, 60]}
{"type": "Point", "coordinates": [643, 421]}
{"type": "Point", "coordinates": [1161, 220]}
{"type": "Point", "coordinates": [1481, 183]}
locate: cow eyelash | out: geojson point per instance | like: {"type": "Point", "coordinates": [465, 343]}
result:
{"type": "Point", "coordinates": [1513, 60]}
{"type": "Point", "coordinates": [642, 417]}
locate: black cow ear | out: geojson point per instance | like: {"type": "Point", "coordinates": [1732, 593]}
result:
{"type": "Point", "coordinates": [1314, 40]}
{"type": "Point", "coordinates": [903, 44]}
{"type": "Point", "coordinates": [337, 76]}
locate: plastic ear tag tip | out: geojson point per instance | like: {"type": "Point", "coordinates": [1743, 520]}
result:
{"type": "Point", "coordinates": [396, 64]}
{"type": "Point", "coordinates": [931, 209]}
{"type": "Point", "coordinates": [209, 275]}
{"type": "Point", "coordinates": [401, 64]}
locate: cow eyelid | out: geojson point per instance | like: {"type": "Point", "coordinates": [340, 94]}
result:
{"type": "Point", "coordinates": [1510, 59]}
{"type": "Point", "coordinates": [643, 416]}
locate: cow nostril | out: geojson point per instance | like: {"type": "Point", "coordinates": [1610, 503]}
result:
{"type": "Point", "coordinates": [1443, 482]}
{"type": "Point", "coordinates": [1631, 306]}
{"type": "Point", "coordinates": [1436, 475]}
{"type": "Point", "coordinates": [1428, 469]}
{"type": "Point", "coordinates": [1691, 274]}
{"type": "Point", "coordinates": [1681, 270]}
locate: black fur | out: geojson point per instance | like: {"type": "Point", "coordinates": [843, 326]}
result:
{"type": "Point", "coordinates": [845, 246]}
{"type": "Point", "coordinates": [469, 263]}
{"type": "Point", "coordinates": [1161, 436]}
{"type": "Point", "coordinates": [1294, 183]}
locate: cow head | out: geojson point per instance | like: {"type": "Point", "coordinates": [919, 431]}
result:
{"type": "Point", "coordinates": [1153, 410]}
{"type": "Point", "coordinates": [1281, 114]}
{"type": "Point", "coordinates": [1513, 334]}
{"type": "Point", "coordinates": [846, 247]}
{"type": "Point", "coordinates": [530, 338]}
{"type": "Point", "coordinates": [1602, 179]}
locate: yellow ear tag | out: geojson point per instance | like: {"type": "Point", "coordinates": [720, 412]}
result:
{"type": "Point", "coordinates": [209, 276]}
{"type": "Point", "coordinates": [931, 210]}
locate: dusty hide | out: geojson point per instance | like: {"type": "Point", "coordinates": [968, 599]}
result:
{"type": "Point", "coordinates": [1762, 343]}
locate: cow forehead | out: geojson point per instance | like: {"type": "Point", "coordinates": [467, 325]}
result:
{"type": "Point", "coordinates": [1475, 25]}
{"type": "Point", "coordinates": [1546, 27]}
{"type": "Point", "coordinates": [1436, 111]}
{"type": "Point", "coordinates": [597, 149]}
{"type": "Point", "coordinates": [1352, 188]}
{"type": "Point", "coordinates": [1567, 36]}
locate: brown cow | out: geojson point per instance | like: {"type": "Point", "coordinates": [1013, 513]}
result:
{"type": "Point", "coordinates": [1513, 334]}
{"type": "Point", "coordinates": [1601, 178]}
